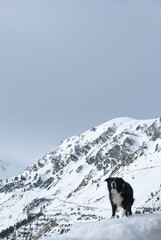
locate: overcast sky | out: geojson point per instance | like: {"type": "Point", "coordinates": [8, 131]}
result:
{"type": "Point", "coordinates": [66, 66]}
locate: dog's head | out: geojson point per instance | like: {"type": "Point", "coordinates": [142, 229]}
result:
{"type": "Point", "coordinates": [115, 184]}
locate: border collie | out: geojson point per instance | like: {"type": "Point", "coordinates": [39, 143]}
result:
{"type": "Point", "coordinates": [120, 194]}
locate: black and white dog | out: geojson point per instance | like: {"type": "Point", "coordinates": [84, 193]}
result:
{"type": "Point", "coordinates": [120, 194]}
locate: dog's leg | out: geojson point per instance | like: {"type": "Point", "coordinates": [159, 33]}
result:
{"type": "Point", "coordinates": [124, 213]}
{"type": "Point", "coordinates": [128, 211]}
{"type": "Point", "coordinates": [114, 208]}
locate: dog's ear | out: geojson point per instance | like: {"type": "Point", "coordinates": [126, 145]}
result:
{"type": "Point", "coordinates": [107, 180]}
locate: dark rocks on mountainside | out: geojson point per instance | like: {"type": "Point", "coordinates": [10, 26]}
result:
{"type": "Point", "coordinates": [114, 152]}
{"type": "Point", "coordinates": [128, 141]}
{"type": "Point", "coordinates": [38, 183]}
{"type": "Point", "coordinates": [4, 234]}
{"type": "Point", "coordinates": [47, 183]}
{"type": "Point", "coordinates": [154, 131]}
{"type": "Point", "coordinates": [35, 167]}
{"type": "Point", "coordinates": [58, 164]}
{"type": "Point", "coordinates": [36, 202]}
{"type": "Point", "coordinates": [105, 136]}
{"type": "Point", "coordinates": [116, 156]}
{"type": "Point", "coordinates": [79, 151]}
{"type": "Point", "coordinates": [91, 160]}
{"type": "Point", "coordinates": [100, 167]}
{"type": "Point", "coordinates": [140, 151]}
{"type": "Point", "coordinates": [119, 154]}
{"type": "Point", "coordinates": [98, 161]}
{"type": "Point", "coordinates": [89, 217]}
{"type": "Point", "coordinates": [79, 169]}
{"type": "Point", "coordinates": [72, 158]}
{"type": "Point", "coordinates": [157, 148]}
{"type": "Point", "coordinates": [82, 184]}
{"type": "Point", "coordinates": [9, 187]}
{"type": "Point", "coordinates": [138, 128]}
{"type": "Point", "coordinates": [93, 129]}
{"type": "Point", "coordinates": [23, 178]}
{"type": "Point", "coordinates": [41, 165]}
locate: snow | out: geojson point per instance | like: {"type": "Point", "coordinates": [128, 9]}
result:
{"type": "Point", "coordinates": [140, 227]}
{"type": "Point", "coordinates": [78, 194]}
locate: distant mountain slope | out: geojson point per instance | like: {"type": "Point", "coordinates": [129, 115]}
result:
{"type": "Point", "coordinates": [3, 167]}
{"type": "Point", "coordinates": [7, 170]}
{"type": "Point", "coordinates": [67, 185]}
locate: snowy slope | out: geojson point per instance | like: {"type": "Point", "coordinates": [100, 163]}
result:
{"type": "Point", "coordinates": [67, 187]}
{"type": "Point", "coordinates": [140, 227]}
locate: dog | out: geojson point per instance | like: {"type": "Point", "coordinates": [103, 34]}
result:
{"type": "Point", "coordinates": [120, 194]}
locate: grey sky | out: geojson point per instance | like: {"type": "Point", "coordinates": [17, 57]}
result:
{"type": "Point", "coordinates": [66, 66]}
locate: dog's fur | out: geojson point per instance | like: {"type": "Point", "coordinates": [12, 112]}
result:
{"type": "Point", "coordinates": [120, 194]}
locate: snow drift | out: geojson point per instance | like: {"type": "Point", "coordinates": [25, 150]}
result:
{"type": "Point", "coordinates": [140, 227]}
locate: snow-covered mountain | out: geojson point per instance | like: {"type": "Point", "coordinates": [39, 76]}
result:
{"type": "Point", "coordinates": [67, 187]}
